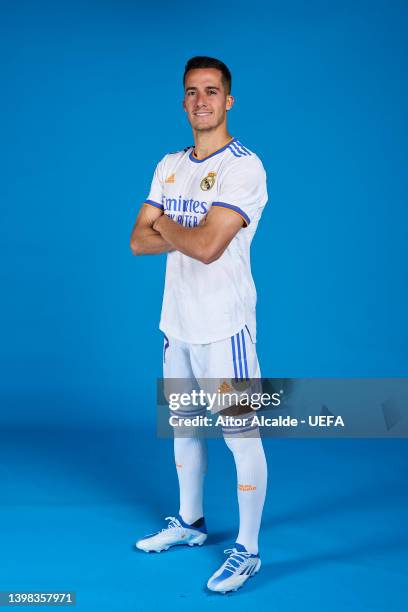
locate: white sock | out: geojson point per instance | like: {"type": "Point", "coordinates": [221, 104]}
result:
{"type": "Point", "coordinates": [191, 464]}
{"type": "Point", "coordinates": [250, 463]}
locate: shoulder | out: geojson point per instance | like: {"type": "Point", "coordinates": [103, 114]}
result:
{"type": "Point", "coordinates": [170, 159]}
{"type": "Point", "coordinates": [175, 155]}
{"type": "Point", "coordinates": [182, 151]}
{"type": "Point", "coordinates": [241, 159]}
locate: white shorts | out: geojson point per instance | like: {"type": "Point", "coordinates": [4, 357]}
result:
{"type": "Point", "coordinates": [212, 367]}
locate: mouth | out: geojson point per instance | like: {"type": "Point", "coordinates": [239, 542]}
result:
{"type": "Point", "coordinates": [202, 114]}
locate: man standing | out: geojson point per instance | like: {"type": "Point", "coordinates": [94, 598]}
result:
{"type": "Point", "coordinates": [203, 208]}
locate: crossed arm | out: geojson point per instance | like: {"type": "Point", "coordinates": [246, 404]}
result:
{"type": "Point", "coordinates": [154, 232]}
{"type": "Point", "coordinates": [144, 239]}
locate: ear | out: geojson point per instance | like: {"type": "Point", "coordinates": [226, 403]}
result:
{"type": "Point", "coordinates": [184, 105]}
{"type": "Point", "coordinates": [230, 102]}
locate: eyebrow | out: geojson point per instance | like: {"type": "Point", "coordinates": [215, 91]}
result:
{"type": "Point", "coordinates": [206, 87]}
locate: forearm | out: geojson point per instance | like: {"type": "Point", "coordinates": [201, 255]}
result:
{"type": "Point", "coordinates": [191, 241]}
{"type": "Point", "coordinates": [149, 242]}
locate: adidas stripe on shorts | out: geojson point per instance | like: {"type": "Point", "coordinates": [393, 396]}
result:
{"type": "Point", "coordinates": [210, 366]}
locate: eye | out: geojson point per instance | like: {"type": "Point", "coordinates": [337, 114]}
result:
{"type": "Point", "coordinates": [212, 91]}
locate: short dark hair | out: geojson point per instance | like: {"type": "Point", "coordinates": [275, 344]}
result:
{"type": "Point", "coordinates": [202, 61]}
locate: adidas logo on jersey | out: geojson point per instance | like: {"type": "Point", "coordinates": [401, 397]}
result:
{"type": "Point", "coordinates": [171, 178]}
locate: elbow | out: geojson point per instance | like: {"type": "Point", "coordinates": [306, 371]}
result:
{"type": "Point", "coordinates": [135, 247]}
{"type": "Point", "coordinates": [208, 260]}
{"type": "Point", "coordinates": [209, 255]}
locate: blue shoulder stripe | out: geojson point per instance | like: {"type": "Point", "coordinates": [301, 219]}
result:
{"type": "Point", "coordinates": [240, 149]}
{"type": "Point", "coordinates": [233, 152]}
{"type": "Point", "coordinates": [247, 151]}
{"type": "Point", "coordinates": [237, 150]}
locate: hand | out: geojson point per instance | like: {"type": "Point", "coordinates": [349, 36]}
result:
{"type": "Point", "coordinates": [157, 223]}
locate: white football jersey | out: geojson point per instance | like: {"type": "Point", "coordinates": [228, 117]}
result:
{"type": "Point", "coordinates": [204, 303]}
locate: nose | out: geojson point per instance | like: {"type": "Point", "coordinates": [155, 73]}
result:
{"type": "Point", "coordinates": [201, 99]}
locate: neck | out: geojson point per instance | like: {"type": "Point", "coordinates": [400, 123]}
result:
{"type": "Point", "coordinates": [206, 143]}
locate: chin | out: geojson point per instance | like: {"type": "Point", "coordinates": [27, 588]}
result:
{"type": "Point", "coordinates": [205, 127]}
{"type": "Point", "coordinates": [209, 128]}
{"type": "Point", "coordinates": [203, 124]}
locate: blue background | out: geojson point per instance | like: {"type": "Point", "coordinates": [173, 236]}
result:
{"type": "Point", "coordinates": [91, 100]}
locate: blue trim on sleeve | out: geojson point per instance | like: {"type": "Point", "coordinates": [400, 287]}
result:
{"type": "Point", "coordinates": [235, 209]}
{"type": "Point", "coordinates": [156, 204]}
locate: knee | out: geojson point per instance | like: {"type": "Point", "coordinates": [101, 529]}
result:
{"type": "Point", "coordinates": [243, 442]}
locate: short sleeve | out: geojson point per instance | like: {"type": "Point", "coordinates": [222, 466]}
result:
{"type": "Point", "coordinates": [242, 188]}
{"type": "Point", "coordinates": [156, 189]}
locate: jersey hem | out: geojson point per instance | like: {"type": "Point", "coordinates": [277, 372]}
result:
{"type": "Point", "coordinates": [206, 341]}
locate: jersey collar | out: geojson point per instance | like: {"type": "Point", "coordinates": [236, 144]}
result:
{"type": "Point", "coordinates": [199, 161]}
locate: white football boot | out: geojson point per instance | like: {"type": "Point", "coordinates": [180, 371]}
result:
{"type": "Point", "coordinates": [235, 571]}
{"type": "Point", "coordinates": [176, 533]}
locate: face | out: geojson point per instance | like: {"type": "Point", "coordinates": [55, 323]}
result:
{"type": "Point", "coordinates": [205, 100]}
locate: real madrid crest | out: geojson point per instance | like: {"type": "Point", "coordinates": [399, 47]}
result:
{"type": "Point", "coordinates": [208, 181]}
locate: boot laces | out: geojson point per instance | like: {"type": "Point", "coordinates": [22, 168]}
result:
{"type": "Point", "coordinates": [236, 559]}
{"type": "Point", "coordinates": [173, 523]}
